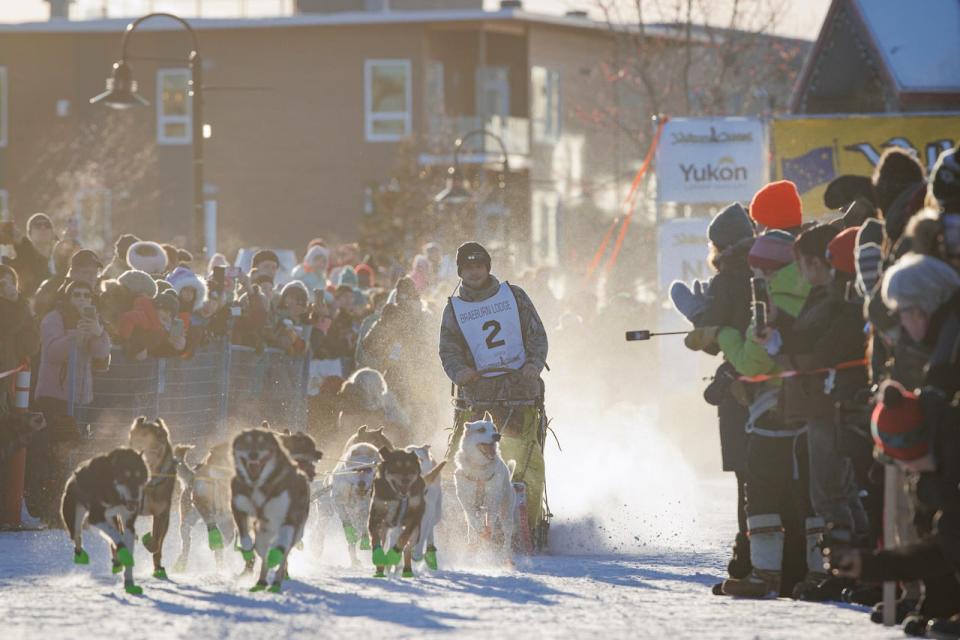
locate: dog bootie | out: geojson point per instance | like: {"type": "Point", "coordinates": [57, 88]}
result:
{"type": "Point", "coordinates": [81, 557]}
{"type": "Point", "coordinates": [247, 555]}
{"type": "Point", "coordinates": [274, 588]}
{"type": "Point", "coordinates": [274, 557]}
{"type": "Point", "coordinates": [430, 557]}
{"type": "Point", "coordinates": [133, 589]}
{"type": "Point", "coordinates": [147, 541]}
{"type": "Point", "coordinates": [260, 586]}
{"type": "Point", "coordinates": [350, 534]}
{"type": "Point", "coordinates": [379, 574]}
{"type": "Point", "coordinates": [116, 567]}
{"type": "Point", "coordinates": [124, 556]}
{"type": "Point", "coordinates": [365, 542]}
{"type": "Point", "coordinates": [160, 574]}
{"type": "Point", "coordinates": [407, 573]}
{"type": "Point", "coordinates": [394, 556]}
{"type": "Point", "coordinates": [214, 538]}
{"type": "Point", "coordinates": [379, 557]}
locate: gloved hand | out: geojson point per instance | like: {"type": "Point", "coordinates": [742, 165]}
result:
{"type": "Point", "coordinates": [703, 339]}
{"type": "Point", "coordinates": [690, 304]}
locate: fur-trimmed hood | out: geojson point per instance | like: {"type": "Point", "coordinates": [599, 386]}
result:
{"type": "Point", "coordinates": [147, 256]}
{"type": "Point", "coordinates": [182, 278]}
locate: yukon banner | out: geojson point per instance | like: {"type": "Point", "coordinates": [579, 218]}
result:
{"type": "Point", "coordinates": [711, 160]}
{"type": "Point", "coordinates": [813, 151]}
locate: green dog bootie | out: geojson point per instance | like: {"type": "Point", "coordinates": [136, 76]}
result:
{"type": "Point", "coordinates": [274, 588]}
{"type": "Point", "coordinates": [133, 589]}
{"type": "Point", "coordinates": [214, 538]}
{"type": "Point", "coordinates": [116, 567]}
{"type": "Point", "coordinates": [379, 557]}
{"type": "Point", "coordinates": [407, 573]}
{"type": "Point", "coordinates": [394, 556]}
{"type": "Point", "coordinates": [365, 542]}
{"type": "Point", "coordinates": [430, 557]}
{"type": "Point", "coordinates": [379, 574]}
{"type": "Point", "coordinates": [147, 541]}
{"type": "Point", "coordinates": [274, 557]}
{"type": "Point", "coordinates": [81, 557]}
{"type": "Point", "coordinates": [247, 555]}
{"type": "Point", "coordinates": [160, 574]}
{"type": "Point", "coordinates": [350, 534]}
{"type": "Point", "coordinates": [260, 586]}
{"type": "Point", "coordinates": [124, 557]}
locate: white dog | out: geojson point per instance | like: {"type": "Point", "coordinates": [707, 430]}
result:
{"type": "Point", "coordinates": [426, 548]}
{"type": "Point", "coordinates": [352, 489]}
{"type": "Point", "coordinates": [483, 482]}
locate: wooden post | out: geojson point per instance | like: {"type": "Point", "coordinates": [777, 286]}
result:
{"type": "Point", "coordinates": [891, 491]}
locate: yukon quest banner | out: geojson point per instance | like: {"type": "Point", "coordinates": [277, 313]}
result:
{"type": "Point", "coordinates": [813, 151]}
{"type": "Point", "coordinates": [711, 160]}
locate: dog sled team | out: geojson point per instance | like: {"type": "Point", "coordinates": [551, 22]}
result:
{"type": "Point", "coordinates": [256, 492]}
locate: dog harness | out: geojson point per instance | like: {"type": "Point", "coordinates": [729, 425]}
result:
{"type": "Point", "coordinates": [492, 331]}
{"type": "Point", "coordinates": [481, 485]}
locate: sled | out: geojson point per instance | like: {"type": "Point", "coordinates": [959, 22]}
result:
{"type": "Point", "coordinates": [523, 425]}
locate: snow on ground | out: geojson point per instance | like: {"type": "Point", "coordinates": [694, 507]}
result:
{"type": "Point", "coordinates": [638, 540]}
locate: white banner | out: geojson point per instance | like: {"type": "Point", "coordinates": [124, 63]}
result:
{"type": "Point", "coordinates": [711, 160]}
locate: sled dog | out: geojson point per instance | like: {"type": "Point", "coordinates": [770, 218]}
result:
{"type": "Point", "coordinates": [352, 489]}
{"type": "Point", "coordinates": [397, 509]}
{"type": "Point", "coordinates": [153, 440]}
{"type": "Point", "coordinates": [270, 498]}
{"type": "Point", "coordinates": [206, 497]}
{"type": "Point", "coordinates": [107, 492]}
{"type": "Point", "coordinates": [426, 548]}
{"type": "Point", "coordinates": [483, 483]}
{"type": "Point", "coordinates": [303, 450]}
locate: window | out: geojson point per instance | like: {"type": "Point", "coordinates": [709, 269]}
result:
{"type": "Point", "coordinates": [174, 117]}
{"type": "Point", "coordinates": [545, 104]}
{"type": "Point", "coordinates": [435, 104]}
{"type": "Point", "coordinates": [4, 206]}
{"type": "Point", "coordinates": [387, 98]}
{"type": "Point", "coordinates": [3, 106]}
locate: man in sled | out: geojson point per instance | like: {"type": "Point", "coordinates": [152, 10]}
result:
{"type": "Point", "coordinates": [493, 346]}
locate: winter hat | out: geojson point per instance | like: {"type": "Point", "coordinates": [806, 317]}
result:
{"type": "Point", "coordinates": [869, 255]}
{"type": "Point", "coordinates": [366, 277]}
{"type": "Point", "coordinates": [348, 278]}
{"type": "Point", "coordinates": [924, 232]}
{"type": "Point", "coordinates": [293, 286]}
{"type": "Point", "coordinates": [184, 257]}
{"type": "Point", "coordinates": [945, 181]}
{"type": "Point", "coordinates": [814, 241]}
{"type": "Point", "coordinates": [167, 301]}
{"type": "Point", "coordinates": [840, 251]}
{"type": "Point", "coordinates": [85, 258]}
{"type": "Point", "coordinates": [897, 424]}
{"type": "Point", "coordinates": [895, 171]}
{"type": "Point", "coordinates": [163, 285]}
{"type": "Point", "coordinates": [261, 277]}
{"type": "Point", "coordinates": [843, 190]}
{"type": "Point", "coordinates": [173, 256]}
{"type": "Point", "coordinates": [39, 218]}
{"type": "Point", "coordinates": [217, 260]}
{"type": "Point", "coordinates": [182, 278]}
{"type": "Point", "coordinates": [123, 243]}
{"type": "Point", "coordinates": [313, 253]}
{"type": "Point", "coordinates": [777, 206]}
{"type": "Point", "coordinates": [919, 282]}
{"type": "Point", "coordinates": [472, 252]}
{"type": "Point", "coordinates": [771, 251]}
{"type": "Point", "coordinates": [265, 255]}
{"type": "Point", "coordinates": [148, 257]}
{"type": "Point", "coordinates": [138, 282]}
{"type": "Point", "coordinates": [730, 226]}
{"type": "Point", "coordinates": [898, 214]}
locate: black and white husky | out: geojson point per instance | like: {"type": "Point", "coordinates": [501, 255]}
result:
{"type": "Point", "coordinates": [107, 492]}
{"type": "Point", "coordinates": [270, 498]}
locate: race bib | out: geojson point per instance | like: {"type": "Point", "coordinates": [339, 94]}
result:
{"type": "Point", "coordinates": [492, 331]}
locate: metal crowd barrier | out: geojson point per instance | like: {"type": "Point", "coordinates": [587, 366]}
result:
{"type": "Point", "coordinates": [200, 398]}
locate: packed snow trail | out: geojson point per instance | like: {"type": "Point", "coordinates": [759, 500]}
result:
{"type": "Point", "coordinates": [638, 540]}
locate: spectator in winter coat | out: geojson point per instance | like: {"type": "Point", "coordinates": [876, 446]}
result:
{"type": "Point", "coordinates": [84, 266]}
{"type": "Point", "coordinates": [19, 338]}
{"type": "Point", "coordinates": [33, 251]}
{"type": "Point", "coordinates": [312, 272]}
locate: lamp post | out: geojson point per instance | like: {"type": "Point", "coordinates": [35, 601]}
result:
{"type": "Point", "coordinates": [121, 93]}
{"type": "Point", "coordinates": [456, 192]}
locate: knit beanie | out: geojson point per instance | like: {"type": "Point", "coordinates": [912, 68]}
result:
{"type": "Point", "coordinates": [472, 252]}
{"type": "Point", "coordinates": [366, 277]}
{"type": "Point", "coordinates": [730, 226]}
{"type": "Point", "coordinates": [148, 257]}
{"type": "Point", "coordinates": [920, 282]}
{"type": "Point", "coordinates": [895, 171]}
{"type": "Point", "coordinates": [904, 206]}
{"type": "Point", "coordinates": [314, 252]}
{"type": "Point", "coordinates": [167, 301]}
{"type": "Point", "coordinates": [897, 424]}
{"type": "Point", "coordinates": [348, 278]}
{"type": "Point", "coordinates": [265, 255]}
{"type": "Point", "coordinates": [945, 181]}
{"type": "Point", "coordinates": [777, 206]}
{"type": "Point", "coordinates": [293, 286]}
{"type": "Point", "coordinates": [771, 251]}
{"type": "Point", "coordinates": [39, 217]}
{"type": "Point", "coordinates": [138, 282]}
{"type": "Point", "coordinates": [840, 251]}
{"type": "Point", "coordinates": [814, 241]}
{"type": "Point", "coordinates": [843, 190]}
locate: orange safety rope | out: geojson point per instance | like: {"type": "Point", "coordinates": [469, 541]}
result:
{"type": "Point", "coordinates": [851, 364]}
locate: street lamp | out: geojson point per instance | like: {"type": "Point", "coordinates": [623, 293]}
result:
{"type": "Point", "coordinates": [456, 192]}
{"type": "Point", "coordinates": [121, 93]}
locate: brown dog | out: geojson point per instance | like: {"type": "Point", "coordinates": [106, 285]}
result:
{"type": "Point", "coordinates": [152, 439]}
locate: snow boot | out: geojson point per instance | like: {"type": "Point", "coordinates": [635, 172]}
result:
{"type": "Point", "coordinates": [944, 628]}
{"type": "Point", "coordinates": [766, 555]}
{"type": "Point", "coordinates": [915, 625]}
{"type": "Point", "coordinates": [810, 588]}
{"type": "Point", "coordinates": [905, 607]}
{"type": "Point", "coordinates": [867, 596]}
{"type": "Point", "coordinates": [739, 566]}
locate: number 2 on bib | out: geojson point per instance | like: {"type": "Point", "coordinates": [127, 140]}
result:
{"type": "Point", "coordinates": [492, 343]}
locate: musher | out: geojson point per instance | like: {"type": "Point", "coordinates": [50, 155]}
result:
{"type": "Point", "coordinates": [489, 325]}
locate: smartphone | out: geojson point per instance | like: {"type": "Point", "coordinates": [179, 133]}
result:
{"type": "Point", "coordinates": [219, 275]}
{"type": "Point", "coordinates": [633, 336]}
{"type": "Point", "coordinates": [177, 328]}
{"type": "Point", "coordinates": [89, 312]}
{"type": "Point", "coordinates": [758, 289]}
{"type": "Point", "coordinates": [760, 314]}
